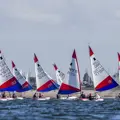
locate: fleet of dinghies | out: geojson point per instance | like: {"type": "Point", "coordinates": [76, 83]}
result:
{"type": "Point", "coordinates": [67, 86]}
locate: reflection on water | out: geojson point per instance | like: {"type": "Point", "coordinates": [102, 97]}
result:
{"type": "Point", "coordinates": [60, 110]}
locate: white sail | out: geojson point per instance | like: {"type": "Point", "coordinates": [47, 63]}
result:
{"type": "Point", "coordinates": [59, 75]}
{"type": "Point", "coordinates": [74, 84]}
{"type": "Point", "coordinates": [43, 80]}
{"type": "Point", "coordinates": [102, 80]}
{"type": "Point", "coordinates": [17, 74]}
{"type": "Point", "coordinates": [22, 80]}
{"type": "Point", "coordinates": [7, 81]}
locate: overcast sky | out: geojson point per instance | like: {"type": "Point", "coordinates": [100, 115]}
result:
{"type": "Point", "coordinates": [53, 28]}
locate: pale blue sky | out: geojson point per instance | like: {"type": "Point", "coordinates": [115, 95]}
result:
{"type": "Point", "coordinates": [53, 28]}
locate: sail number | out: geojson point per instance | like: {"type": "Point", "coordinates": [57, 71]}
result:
{"type": "Point", "coordinates": [41, 73]}
{"type": "Point", "coordinates": [62, 75]}
{"type": "Point", "coordinates": [72, 71]}
{"type": "Point", "coordinates": [4, 70]}
{"type": "Point", "coordinates": [98, 68]}
{"type": "Point", "coordinates": [18, 75]}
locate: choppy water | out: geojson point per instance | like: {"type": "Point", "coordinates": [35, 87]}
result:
{"type": "Point", "coordinates": [29, 109]}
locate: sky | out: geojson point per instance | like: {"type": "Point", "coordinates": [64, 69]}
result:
{"type": "Point", "coordinates": [54, 28]}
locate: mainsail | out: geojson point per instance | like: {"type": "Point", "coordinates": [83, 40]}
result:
{"type": "Point", "coordinates": [59, 75]}
{"type": "Point", "coordinates": [102, 80]}
{"type": "Point", "coordinates": [25, 85]}
{"type": "Point", "coordinates": [7, 81]}
{"type": "Point", "coordinates": [73, 84]}
{"type": "Point", "coordinates": [44, 82]}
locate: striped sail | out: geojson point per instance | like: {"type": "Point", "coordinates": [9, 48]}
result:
{"type": "Point", "coordinates": [44, 82]}
{"type": "Point", "coordinates": [25, 85]}
{"type": "Point", "coordinates": [59, 75]}
{"type": "Point", "coordinates": [7, 81]}
{"type": "Point", "coordinates": [102, 80]}
{"type": "Point", "coordinates": [73, 84]}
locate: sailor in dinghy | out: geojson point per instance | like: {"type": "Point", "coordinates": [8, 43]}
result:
{"type": "Point", "coordinates": [7, 81]}
{"type": "Point", "coordinates": [24, 83]}
{"type": "Point", "coordinates": [60, 76]}
{"type": "Point", "coordinates": [73, 83]}
{"type": "Point", "coordinates": [61, 79]}
{"type": "Point", "coordinates": [44, 82]}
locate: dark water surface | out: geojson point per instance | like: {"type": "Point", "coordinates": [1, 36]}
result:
{"type": "Point", "coordinates": [29, 109]}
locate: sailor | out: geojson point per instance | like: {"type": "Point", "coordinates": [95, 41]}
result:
{"type": "Point", "coordinates": [13, 95]}
{"type": "Point", "coordinates": [34, 96]}
{"type": "Point", "coordinates": [82, 95]}
{"type": "Point", "coordinates": [3, 95]}
{"type": "Point", "coordinates": [90, 97]}
{"type": "Point", "coordinates": [68, 96]}
{"type": "Point", "coordinates": [118, 95]}
{"type": "Point", "coordinates": [40, 95]}
{"type": "Point", "coordinates": [58, 96]}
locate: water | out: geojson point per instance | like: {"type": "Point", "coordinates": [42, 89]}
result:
{"type": "Point", "coordinates": [29, 109]}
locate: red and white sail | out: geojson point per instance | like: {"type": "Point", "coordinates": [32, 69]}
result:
{"type": "Point", "coordinates": [73, 84]}
{"type": "Point", "coordinates": [44, 82]}
{"type": "Point", "coordinates": [25, 85]}
{"type": "Point", "coordinates": [59, 75]}
{"type": "Point", "coordinates": [7, 81]}
{"type": "Point", "coordinates": [102, 80]}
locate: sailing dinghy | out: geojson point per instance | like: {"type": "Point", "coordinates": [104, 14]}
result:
{"type": "Point", "coordinates": [73, 83]}
{"type": "Point", "coordinates": [25, 85]}
{"type": "Point", "coordinates": [101, 79]}
{"type": "Point", "coordinates": [7, 81]}
{"type": "Point", "coordinates": [44, 82]}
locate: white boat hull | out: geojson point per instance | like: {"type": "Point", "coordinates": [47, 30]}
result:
{"type": "Point", "coordinates": [46, 98]}
{"type": "Point", "coordinates": [3, 99]}
{"type": "Point", "coordinates": [20, 98]}
{"type": "Point", "coordinates": [68, 98]}
{"type": "Point", "coordinates": [100, 99]}
{"type": "Point", "coordinates": [84, 99]}
{"type": "Point", "coordinates": [10, 98]}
